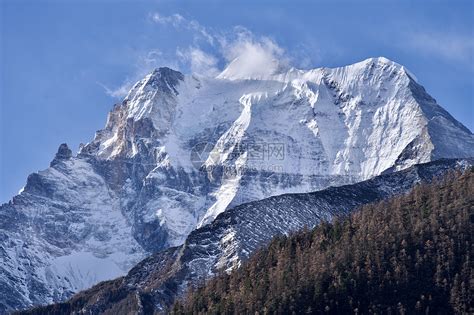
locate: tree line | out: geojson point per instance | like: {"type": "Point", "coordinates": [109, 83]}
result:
{"type": "Point", "coordinates": [411, 254]}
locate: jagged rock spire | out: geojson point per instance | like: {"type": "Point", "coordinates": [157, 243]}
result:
{"type": "Point", "coordinates": [63, 153]}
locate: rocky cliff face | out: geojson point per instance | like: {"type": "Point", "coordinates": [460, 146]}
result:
{"type": "Point", "coordinates": [181, 149]}
{"type": "Point", "coordinates": [224, 244]}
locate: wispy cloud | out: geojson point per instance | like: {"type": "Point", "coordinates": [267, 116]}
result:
{"type": "Point", "coordinates": [118, 92]}
{"type": "Point", "coordinates": [178, 21]}
{"type": "Point", "coordinates": [174, 19]}
{"type": "Point", "coordinates": [243, 53]}
{"type": "Point", "coordinates": [449, 46]}
{"type": "Point", "coordinates": [144, 64]}
{"type": "Point", "coordinates": [249, 56]}
{"type": "Point", "coordinates": [200, 61]}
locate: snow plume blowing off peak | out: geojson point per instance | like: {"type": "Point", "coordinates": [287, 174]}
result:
{"type": "Point", "coordinates": [251, 59]}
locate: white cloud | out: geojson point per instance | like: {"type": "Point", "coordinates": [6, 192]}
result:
{"type": "Point", "coordinates": [118, 92]}
{"type": "Point", "coordinates": [450, 46]}
{"type": "Point", "coordinates": [245, 54]}
{"type": "Point", "coordinates": [200, 62]}
{"type": "Point", "coordinates": [249, 56]}
{"type": "Point", "coordinates": [175, 19]}
{"type": "Point", "coordinates": [146, 62]}
{"type": "Point", "coordinates": [178, 21]}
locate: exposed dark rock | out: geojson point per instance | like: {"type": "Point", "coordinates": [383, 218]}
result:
{"type": "Point", "coordinates": [235, 234]}
{"type": "Point", "coordinates": [63, 153]}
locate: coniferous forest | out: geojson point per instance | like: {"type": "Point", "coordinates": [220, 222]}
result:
{"type": "Point", "coordinates": [411, 254]}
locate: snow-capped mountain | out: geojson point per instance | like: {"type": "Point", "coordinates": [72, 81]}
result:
{"type": "Point", "coordinates": [234, 235]}
{"type": "Point", "coordinates": [181, 149]}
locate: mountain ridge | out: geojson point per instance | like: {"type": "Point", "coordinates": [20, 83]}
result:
{"type": "Point", "coordinates": [235, 234]}
{"type": "Point", "coordinates": [137, 188]}
{"type": "Point", "coordinates": [409, 253]}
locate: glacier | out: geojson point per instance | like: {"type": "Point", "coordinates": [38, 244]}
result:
{"type": "Point", "coordinates": [137, 188]}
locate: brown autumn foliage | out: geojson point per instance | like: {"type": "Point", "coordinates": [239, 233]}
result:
{"type": "Point", "coordinates": [407, 255]}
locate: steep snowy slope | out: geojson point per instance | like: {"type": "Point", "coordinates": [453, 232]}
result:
{"type": "Point", "coordinates": [181, 149]}
{"type": "Point", "coordinates": [291, 132]}
{"type": "Point", "coordinates": [235, 234]}
{"type": "Point", "coordinates": [63, 233]}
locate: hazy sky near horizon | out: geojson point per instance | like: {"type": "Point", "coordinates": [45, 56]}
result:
{"type": "Point", "coordinates": [65, 63]}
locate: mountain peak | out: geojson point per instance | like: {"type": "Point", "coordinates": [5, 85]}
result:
{"type": "Point", "coordinates": [165, 72]}
{"type": "Point", "coordinates": [256, 68]}
{"type": "Point", "coordinates": [380, 60]}
{"type": "Point", "coordinates": [144, 184]}
{"type": "Point", "coordinates": [64, 153]}
{"type": "Point", "coordinates": [273, 69]}
{"type": "Point", "coordinates": [161, 79]}
{"type": "Point", "coordinates": [383, 61]}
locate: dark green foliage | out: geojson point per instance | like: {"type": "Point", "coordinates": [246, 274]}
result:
{"type": "Point", "coordinates": [408, 255]}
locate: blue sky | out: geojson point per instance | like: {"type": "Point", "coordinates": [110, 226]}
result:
{"type": "Point", "coordinates": [64, 63]}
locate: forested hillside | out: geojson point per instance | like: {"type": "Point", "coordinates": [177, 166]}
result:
{"type": "Point", "coordinates": [410, 254]}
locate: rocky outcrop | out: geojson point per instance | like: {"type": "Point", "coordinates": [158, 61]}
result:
{"type": "Point", "coordinates": [234, 235]}
{"type": "Point", "coordinates": [140, 187]}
